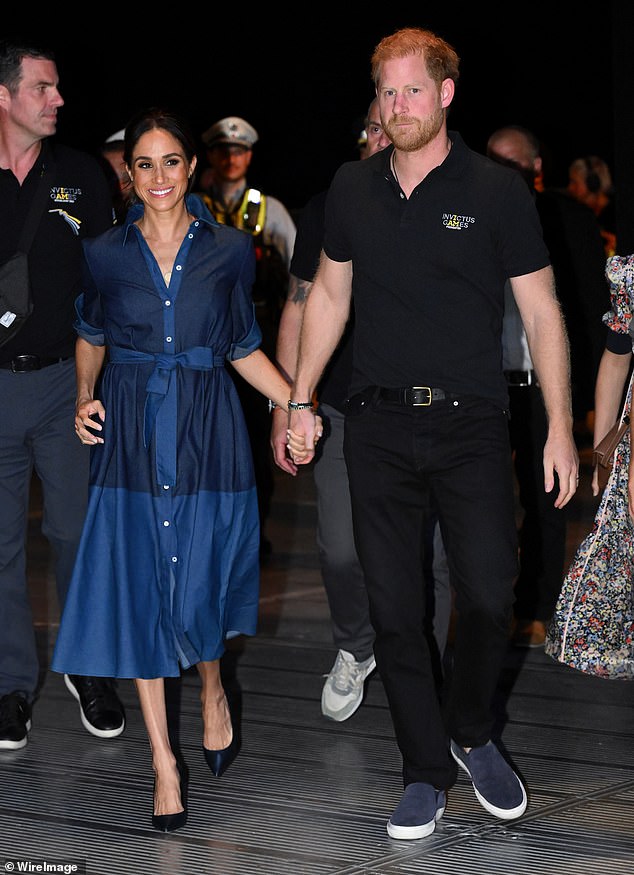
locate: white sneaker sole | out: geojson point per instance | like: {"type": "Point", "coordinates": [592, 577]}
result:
{"type": "Point", "coordinates": [5, 744]}
{"type": "Point", "coordinates": [99, 733]}
{"type": "Point", "coordinates": [409, 833]}
{"type": "Point", "coordinates": [502, 813]}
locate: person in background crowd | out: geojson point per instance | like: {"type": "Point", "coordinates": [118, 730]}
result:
{"type": "Point", "coordinates": [341, 571]}
{"type": "Point", "coordinates": [574, 243]}
{"type": "Point", "coordinates": [225, 191]}
{"type": "Point", "coordinates": [590, 183]}
{"type": "Point", "coordinates": [372, 137]}
{"type": "Point", "coordinates": [422, 236]}
{"type": "Point", "coordinates": [111, 153]}
{"type": "Point", "coordinates": [168, 297]}
{"type": "Point", "coordinates": [37, 376]}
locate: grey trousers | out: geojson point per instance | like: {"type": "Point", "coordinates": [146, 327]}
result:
{"type": "Point", "coordinates": [341, 572]}
{"type": "Point", "coordinates": [36, 433]}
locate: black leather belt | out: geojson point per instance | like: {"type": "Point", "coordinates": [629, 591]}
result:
{"type": "Point", "coordinates": [413, 396]}
{"type": "Point", "coordinates": [21, 364]}
{"type": "Point", "coordinates": [521, 378]}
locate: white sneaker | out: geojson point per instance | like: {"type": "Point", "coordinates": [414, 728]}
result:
{"type": "Point", "coordinates": [343, 690]}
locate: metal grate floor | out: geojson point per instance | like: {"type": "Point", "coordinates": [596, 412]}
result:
{"type": "Point", "coordinates": [307, 796]}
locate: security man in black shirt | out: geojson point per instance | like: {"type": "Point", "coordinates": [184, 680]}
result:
{"type": "Point", "coordinates": [37, 376]}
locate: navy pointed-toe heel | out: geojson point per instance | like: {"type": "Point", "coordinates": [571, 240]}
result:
{"type": "Point", "coordinates": [220, 760]}
{"type": "Point", "coordinates": [171, 822]}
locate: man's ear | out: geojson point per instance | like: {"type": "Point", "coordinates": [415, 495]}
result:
{"type": "Point", "coordinates": [447, 91]}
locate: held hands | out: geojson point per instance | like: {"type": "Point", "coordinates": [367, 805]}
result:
{"type": "Point", "coordinates": [290, 444]}
{"type": "Point", "coordinates": [305, 428]}
{"type": "Point", "coordinates": [83, 421]}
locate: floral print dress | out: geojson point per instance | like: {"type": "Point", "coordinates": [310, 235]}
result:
{"type": "Point", "coordinates": [592, 629]}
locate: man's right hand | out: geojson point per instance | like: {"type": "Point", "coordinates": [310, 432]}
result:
{"type": "Point", "coordinates": [305, 429]}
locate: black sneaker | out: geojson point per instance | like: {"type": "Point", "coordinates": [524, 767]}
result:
{"type": "Point", "coordinates": [99, 706]}
{"type": "Point", "coordinates": [15, 721]}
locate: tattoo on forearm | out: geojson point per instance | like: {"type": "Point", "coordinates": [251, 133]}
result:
{"type": "Point", "coordinates": [299, 290]}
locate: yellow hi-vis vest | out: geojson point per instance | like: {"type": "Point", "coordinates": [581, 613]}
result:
{"type": "Point", "coordinates": [249, 215]}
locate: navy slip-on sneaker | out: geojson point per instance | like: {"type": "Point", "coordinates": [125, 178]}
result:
{"type": "Point", "coordinates": [416, 814]}
{"type": "Point", "coordinates": [497, 787]}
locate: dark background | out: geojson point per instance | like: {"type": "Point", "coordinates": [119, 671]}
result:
{"type": "Point", "coordinates": [302, 78]}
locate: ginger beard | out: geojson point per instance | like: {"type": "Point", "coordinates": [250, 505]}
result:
{"type": "Point", "coordinates": [423, 130]}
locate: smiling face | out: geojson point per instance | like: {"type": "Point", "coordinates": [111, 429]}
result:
{"type": "Point", "coordinates": [160, 170]}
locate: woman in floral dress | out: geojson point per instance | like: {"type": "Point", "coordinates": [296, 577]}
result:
{"type": "Point", "coordinates": [593, 626]}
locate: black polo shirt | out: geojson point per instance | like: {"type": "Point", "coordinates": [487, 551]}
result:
{"type": "Point", "coordinates": [429, 271]}
{"type": "Point", "coordinates": [79, 205]}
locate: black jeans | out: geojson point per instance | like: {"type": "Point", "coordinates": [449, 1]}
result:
{"type": "Point", "coordinates": [458, 453]}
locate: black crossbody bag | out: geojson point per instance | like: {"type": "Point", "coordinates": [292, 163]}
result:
{"type": "Point", "coordinates": [16, 304]}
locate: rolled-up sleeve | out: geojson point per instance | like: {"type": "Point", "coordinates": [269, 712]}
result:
{"type": "Point", "coordinates": [247, 336]}
{"type": "Point", "coordinates": [89, 314]}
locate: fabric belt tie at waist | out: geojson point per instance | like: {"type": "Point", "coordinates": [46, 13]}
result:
{"type": "Point", "coordinates": [413, 396]}
{"type": "Point", "coordinates": [521, 378]}
{"type": "Point", "coordinates": [161, 402]}
{"type": "Point", "coordinates": [21, 364]}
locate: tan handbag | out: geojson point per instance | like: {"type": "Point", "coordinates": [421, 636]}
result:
{"type": "Point", "coordinates": [603, 453]}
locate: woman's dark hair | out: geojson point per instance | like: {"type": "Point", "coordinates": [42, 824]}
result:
{"type": "Point", "coordinates": [163, 119]}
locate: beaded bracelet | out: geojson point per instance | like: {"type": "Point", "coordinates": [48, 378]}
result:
{"type": "Point", "coordinates": [300, 405]}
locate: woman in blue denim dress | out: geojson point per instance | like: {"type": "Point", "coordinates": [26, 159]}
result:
{"type": "Point", "coordinates": [168, 565]}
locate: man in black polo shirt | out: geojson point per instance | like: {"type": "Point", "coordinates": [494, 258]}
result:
{"type": "Point", "coordinates": [37, 376]}
{"type": "Point", "coordinates": [424, 235]}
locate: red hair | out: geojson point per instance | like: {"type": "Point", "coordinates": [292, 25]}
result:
{"type": "Point", "coordinates": [441, 59]}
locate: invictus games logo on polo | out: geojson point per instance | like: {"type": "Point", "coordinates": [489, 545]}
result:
{"type": "Point", "coordinates": [455, 222]}
{"type": "Point", "coordinates": [61, 194]}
